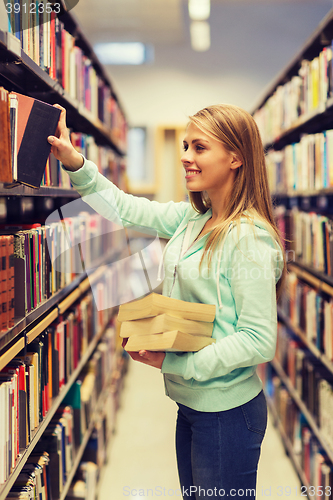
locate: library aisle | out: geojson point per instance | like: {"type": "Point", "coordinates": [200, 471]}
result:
{"type": "Point", "coordinates": [141, 455]}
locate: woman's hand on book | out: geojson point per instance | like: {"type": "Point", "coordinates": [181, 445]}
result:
{"type": "Point", "coordinates": [62, 147]}
{"type": "Point", "coordinates": [150, 358]}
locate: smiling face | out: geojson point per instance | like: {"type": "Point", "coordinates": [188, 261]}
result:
{"type": "Point", "coordinates": [208, 165]}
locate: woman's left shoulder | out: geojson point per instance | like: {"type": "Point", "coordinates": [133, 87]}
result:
{"type": "Point", "coordinates": [251, 235]}
{"type": "Point", "coordinates": [250, 227]}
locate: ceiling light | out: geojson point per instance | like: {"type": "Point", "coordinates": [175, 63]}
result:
{"type": "Point", "coordinates": [200, 35]}
{"type": "Point", "coordinates": [199, 10]}
{"type": "Point", "coordinates": [123, 53]}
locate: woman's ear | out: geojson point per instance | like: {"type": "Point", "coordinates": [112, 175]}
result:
{"type": "Point", "coordinates": [236, 162]}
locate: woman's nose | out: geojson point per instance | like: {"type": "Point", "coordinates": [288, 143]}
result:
{"type": "Point", "coordinates": [186, 158]}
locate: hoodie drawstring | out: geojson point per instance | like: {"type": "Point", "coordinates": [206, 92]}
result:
{"type": "Point", "coordinates": [159, 272]}
{"type": "Point", "coordinates": [218, 270]}
{"type": "Point", "coordinates": [183, 250]}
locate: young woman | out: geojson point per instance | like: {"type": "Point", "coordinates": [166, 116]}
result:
{"type": "Point", "coordinates": [223, 249]}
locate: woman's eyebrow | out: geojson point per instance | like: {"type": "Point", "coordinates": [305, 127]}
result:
{"type": "Point", "coordinates": [196, 140]}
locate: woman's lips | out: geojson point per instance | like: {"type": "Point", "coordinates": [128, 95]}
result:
{"type": "Point", "coordinates": [191, 173]}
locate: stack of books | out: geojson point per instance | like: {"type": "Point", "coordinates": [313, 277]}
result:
{"type": "Point", "coordinates": [159, 323]}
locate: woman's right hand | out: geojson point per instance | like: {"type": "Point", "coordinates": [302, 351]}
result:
{"type": "Point", "coordinates": [62, 147]}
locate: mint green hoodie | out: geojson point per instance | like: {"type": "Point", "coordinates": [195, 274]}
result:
{"type": "Point", "coordinates": [240, 283]}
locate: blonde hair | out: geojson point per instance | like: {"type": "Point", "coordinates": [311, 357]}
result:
{"type": "Point", "coordinates": [238, 132]}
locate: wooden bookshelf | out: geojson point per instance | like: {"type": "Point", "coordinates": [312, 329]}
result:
{"type": "Point", "coordinates": [321, 36]}
{"type": "Point", "coordinates": [45, 191]}
{"type": "Point", "coordinates": [61, 300]}
{"type": "Point", "coordinates": [18, 72]}
{"type": "Point", "coordinates": [25, 76]}
{"type": "Point", "coordinates": [318, 280]}
{"type": "Point", "coordinates": [41, 324]}
{"type": "Point", "coordinates": [289, 129]}
{"type": "Point", "coordinates": [23, 323]}
{"type": "Point", "coordinates": [85, 439]}
{"type": "Point", "coordinates": [301, 405]}
{"type": "Point", "coordinates": [287, 444]}
{"type": "Point", "coordinates": [302, 336]}
{"type": "Point", "coordinates": [5, 488]}
{"type": "Point", "coordinates": [304, 194]}
{"type": "Point", "coordinates": [72, 26]}
{"type": "Point", "coordinates": [311, 123]}
{"type": "Point", "coordinates": [318, 119]}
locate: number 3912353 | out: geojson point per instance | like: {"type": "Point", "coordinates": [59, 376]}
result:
{"type": "Point", "coordinates": [32, 7]}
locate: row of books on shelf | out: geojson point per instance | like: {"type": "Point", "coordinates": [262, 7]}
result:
{"type": "Point", "coordinates": [311, 380]}
{"type": "Point", "coordinates": [20, 116]}
{"type": "Point", "coordinates": [47, 258]}
{"type": "Point", "coordinates": [311, 311]}
{"type": "Point", "coordinates": [45, 475]}
{"type": "Point", "coordinates": [108, 162]}
{"type": "Point", "coordinates": [41, 260]}
{"type": "Point", "coordinates": [305, 93]}
{"type": "Point", "coordinates": [84, 394]}
{"type": "Point", "coordinates": [84, 485]}
{"type": "Point", "coordinates": [34, 478]}
{"type": "Point", "coordinates": [33, 379]}
{"type": "Point", "coordinates": [45, 40]}
{"type": "Point", "coordinates": [303, 166]}
{"type": "Point", "coordinates": [307, 451]}
{"type": "Point", "coordinates": [89, 406]}
{"type": "Point", "coordinates": [7, 284]}
{"type": "Point", "coordinates": [310, 236]}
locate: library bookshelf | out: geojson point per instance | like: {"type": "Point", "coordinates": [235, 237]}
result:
{"type": "Point", "coordinates": [295, 118]}
{"type": "Point", "coordinates": [99, 116]}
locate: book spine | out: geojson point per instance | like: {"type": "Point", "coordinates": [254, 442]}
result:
{"type": "Point", "coordinates": [7, 284]}
{"type": "Point", "coordinates": [17, 19]}
{"type": "Point", "coordinates": [37, 33]}
{"type": "Point", "coordinates": [12, 283]}
{"type": "Point", "coordinates": [5, 151]}
{"type": "Point", "coordinates": [13, 129]}
{"type": "Point", "coordinates": [3, 283]}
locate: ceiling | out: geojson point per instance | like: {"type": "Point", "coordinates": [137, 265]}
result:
{"type": "Point", "coordinates": [166, 21]}
{"type": "Point", "coordinates": [148, 21]}
{"type": "Point", "coordinates": [254, 39]}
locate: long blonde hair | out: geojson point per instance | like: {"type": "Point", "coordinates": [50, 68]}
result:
{"type": "Point", "coordinates": [238, 132]}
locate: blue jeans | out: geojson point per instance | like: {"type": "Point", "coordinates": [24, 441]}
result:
{"type": "Point", "coordinates": [218, 452]}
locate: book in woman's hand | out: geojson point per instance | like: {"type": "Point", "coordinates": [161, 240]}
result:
{"type": "Point", "coordinates": [173, 341]}
{"type": "Point", "coordinates": [165, 322]}
{"type": "Point", "coordinates": [160, 323]}
{"type": "Point", "coordinates": [155, 304]}
{"type": "Point", "coordinates": [31, 122]}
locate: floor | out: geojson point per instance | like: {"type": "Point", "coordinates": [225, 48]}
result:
{"type": "Point", "coordinates": [141, 455]}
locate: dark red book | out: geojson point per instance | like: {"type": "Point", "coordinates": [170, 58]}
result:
{"type": "Point", "coordinates": [3, 298]}
{"type": "Point", "coordinates": [5, 150]}
{"type": "Point", "coordinates": [32, 121]}
{"type": "Point", "coordinates": [11, 289]}
{"type": "Point", "coordinates": [4, 283]}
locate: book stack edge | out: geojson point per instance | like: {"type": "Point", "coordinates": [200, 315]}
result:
{"type": "Point", "coordinates": [160, 323]}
